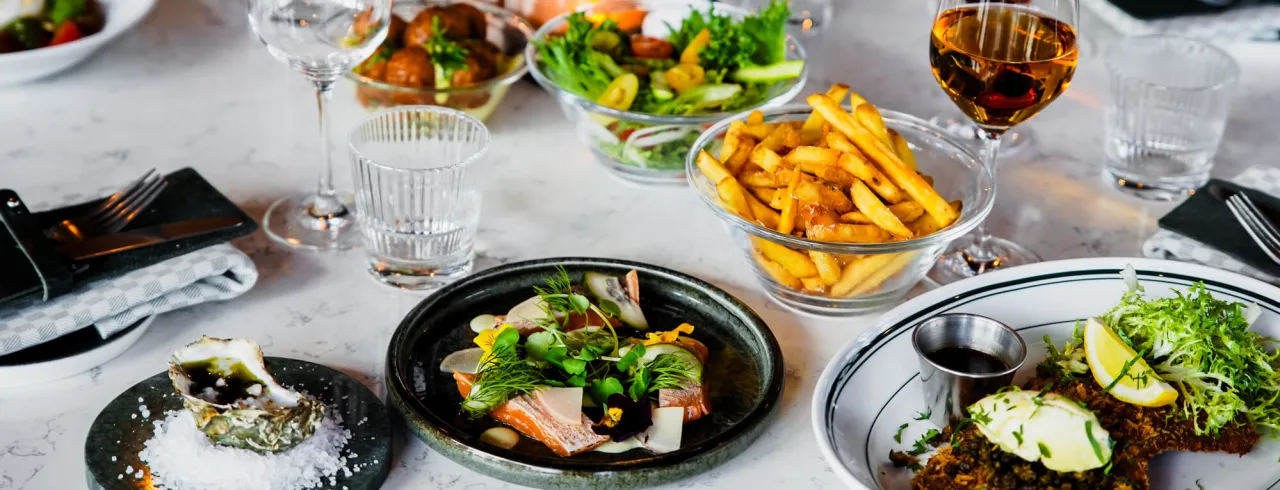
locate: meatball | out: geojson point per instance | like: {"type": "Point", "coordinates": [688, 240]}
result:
{"type": "Point", "coordinates": [395, 29]}
{"type": "Point", "coordinates": [474, 18]}
{"type": "Point", "coordinates": [483, 49]}
{"type": "Point", "coordinates": [411, 67]}
{"type": "Point", "coordinates": [421, 30]}
{"type": "Point", "coordinates": [478, 70]}
{"type": "Point", "coordinates": [373, 68]}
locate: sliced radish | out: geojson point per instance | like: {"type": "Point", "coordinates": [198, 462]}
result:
{"type": "Point", "coordinates": [565, 404]}
{"type": "Point", "coordinates": [668, 427]}
{"type": "Point", "coordinates": [465, 361]}
{"type": "Point", "coordinates": [483, 322]}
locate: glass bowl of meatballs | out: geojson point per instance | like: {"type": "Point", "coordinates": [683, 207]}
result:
{"type": "Point", "coordinates": [458, 54]}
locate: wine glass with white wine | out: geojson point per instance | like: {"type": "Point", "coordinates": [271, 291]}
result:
{"type": "Point", "coordinates": [322, 39]}
{"type": "Point", "coordinates": [1001, 62]}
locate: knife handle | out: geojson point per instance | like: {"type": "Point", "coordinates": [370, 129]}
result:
{"type": "Point", "coordinates": [55, 273]}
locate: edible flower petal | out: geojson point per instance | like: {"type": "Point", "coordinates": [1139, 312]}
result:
{"type": "Point", "coordinates": [624, 418]}
{"type": "Point", "coordinates": [487, 338]}
{"type": "Point", "coordinates": [669, 336]}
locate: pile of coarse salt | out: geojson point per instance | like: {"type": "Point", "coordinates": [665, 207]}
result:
{"type": "Point", "coordinates": [182, 458]}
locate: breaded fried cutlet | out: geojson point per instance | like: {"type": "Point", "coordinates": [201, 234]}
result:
{"type": "Point", "coordinates": [1140, 433]}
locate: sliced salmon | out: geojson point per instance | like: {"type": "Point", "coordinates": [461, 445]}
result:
{"type": "Point", "coordinates": [528, 416]}
{"type": "Point", "coordinates": [694, 397]}
{"type": "Point", "coordinates": [697, 348]}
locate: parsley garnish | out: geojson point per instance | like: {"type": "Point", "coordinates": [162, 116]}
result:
{"type": "Point", "coordinates": [1017, 434]}
{"type": "Point", "coordinates": [445, 52]}
{"type": "Point", "coordinates": [1088, 432]}
{"type": "Point", "coordinates": [924, 415]}
{"type": "Point", "coordinates": [921, 445]}
{"type": "Point", "coordinates": [1044, 450]}
{"type": "Point", "coordinates": [898, 437]}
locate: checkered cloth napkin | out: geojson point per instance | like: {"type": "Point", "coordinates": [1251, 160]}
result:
{"type": "Point", "coordinates": [214, 273]}
{"type": "Point", "coordinates": [1166, 244]}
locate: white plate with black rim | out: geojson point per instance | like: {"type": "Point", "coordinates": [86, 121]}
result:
{"type": "Point", "coordinates": [872, 386]}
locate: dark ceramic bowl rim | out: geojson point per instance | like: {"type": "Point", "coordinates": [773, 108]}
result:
{"type": "Point", "coordinates": [408, 405]}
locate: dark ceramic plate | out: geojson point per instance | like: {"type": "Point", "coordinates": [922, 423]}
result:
{"type": "Point", "coordinates": [744, 373]}
{"type": "Point", "coordinates": [118, 434]}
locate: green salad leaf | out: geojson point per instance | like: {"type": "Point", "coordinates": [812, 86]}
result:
{"type": "Point", "coordinates": [1204, 348]}
{"type": "Point", "coordinates": [769, 31]}
{"type": "Point", "coordinates": [568, 59]}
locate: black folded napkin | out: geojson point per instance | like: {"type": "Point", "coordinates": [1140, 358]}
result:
{"type": "Point", "coordinates": [1205, 217]}
{"type": "Point", "coordinates": [187, 196]}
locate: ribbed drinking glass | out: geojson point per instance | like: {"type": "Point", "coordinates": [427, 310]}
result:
{"type": "Point", "coordinates": [416, 203]}
{"type": "Point", "coordinates": [1168, 107]}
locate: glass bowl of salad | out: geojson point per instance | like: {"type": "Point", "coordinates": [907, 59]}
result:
{"type": "Point", "coordinates": [640, 80]}
{"type": "Point", "coordinates": [863, 276]}
{"type": "Point", "coordinates": [462, 55]}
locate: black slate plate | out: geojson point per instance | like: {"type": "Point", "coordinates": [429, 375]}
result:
{"type": "Point", "coordinates": [745, 373]}
{"type": "Point", "coordinates": [115, 434]}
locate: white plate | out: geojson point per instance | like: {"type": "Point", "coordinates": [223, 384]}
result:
{"type": "Point", "coordinates": [57, 360]}
{"type": "Point", "coordinates": [25, 66]}
{"type": "Point", "coordinates": [872, 386]}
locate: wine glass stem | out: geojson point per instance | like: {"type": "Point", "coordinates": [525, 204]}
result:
{"type": "Point", "coordinates": [326, 202]}
{"type": "Point", "coordinates": [979, 251]}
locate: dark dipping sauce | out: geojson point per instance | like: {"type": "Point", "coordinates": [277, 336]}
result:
{"type": "Point", "coordinates": [965, 360]}
{"type": "Point", "coordinates": [236, 384]}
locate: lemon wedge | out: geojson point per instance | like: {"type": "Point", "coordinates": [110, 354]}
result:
{"type": "Point", "coordinates": [1108, 356]}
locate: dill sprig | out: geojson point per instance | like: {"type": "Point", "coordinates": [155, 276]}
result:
{"type": "Point", "coordinates": [670, 372]}
{"type": "Point", "coordinates": [503, 375]}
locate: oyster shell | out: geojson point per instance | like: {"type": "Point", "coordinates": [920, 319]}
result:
{"type": "Point", "coordinates": [236, 402]}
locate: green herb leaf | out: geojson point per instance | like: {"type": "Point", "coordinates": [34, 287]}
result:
{"type": "Point", "coordinates": [600, 389]}
{"type": "Point", "coordinates": [1017, 434]}
{"type": "Point", "coordinates": [1088, 432]}
{"type": "Point", "coordinates": [921, 445]}
{"type": "Point", "coordinates": [1124, 371]}
{"type": "Point", "coordinates": [1044, 450]}
{"type": "Point", "coordinates": [628, 360]}
{"type": "Point", "coordinates": [898, 437]}
{"type": "Point", "coordinates": [539, 344]}
{"type": "Point", "coordinates": [574, 366]}
{"type": "Point", "coordinates": [924, 415]}
{"type": "Point", "coordinates": [610, 307]}
{"type": "Point", "coordinates": [445, 52]}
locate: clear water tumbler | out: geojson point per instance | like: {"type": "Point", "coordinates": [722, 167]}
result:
{"type": "Point", "coordinates": [1166, 112]}
{"type": "Point", "coordinates": [417, 206]}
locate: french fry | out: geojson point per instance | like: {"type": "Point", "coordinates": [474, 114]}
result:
{"type": "Point", "coordinates": [856, 271]}
{"type": "Point", "coordinates": [854, 163]}
{"type": "Point", "coordinates": [796, 263]}
{"type": "Point", "coordinates": [927, 224]}
{"type": "Point", "coordinates": [828, 267]}
{"type": "Point", "coordinates": [829, 196]}
{"type": "Point", "coordinates": [829, 173]}
{"type": "Point", "coordinates": [870, 205]}
{"type": "Point", "coordinates": [731, 139]}
{"type": "Point", "coordinates": [877, 277]}
{"type": "Point", "coordinates": [812, 155]}
{"type": "Point", "coordinates": [813, 285]}
{"type": "Point", "coordinates": [763, 214]}
{"type": "Point", "coordinates": [737, 162]}
{"type": "Point", "coordinates": [758, 178]}
{"type": "Point", "coordinates": [734, 196]}
{"type": "Point", "coordinates": [856, 218]}
{"type": "Point", "coordinates": [907, 211]}
{"type": "Point", "coordinates": [764, 194]}
{"type": "Point", "coordinates": [787, 220]}
{"type": "Point", "coordinates": [847, 233]}
{"type": "Point", "coordinates": [885, 158]}
{"type": "Point", "coordinates": [714, 171]}
{"type": "Point", "coordinates": [811, 131]}
{"type": "Point", "coordinates": [928, 179]}
{"type": "Point", "coordinates": [871, 119]}
{"type": "Point", "coordinates": [776, 271]}
{"type": "Point", "coordinates": [903, 149]}
{"type": "Point", "coordinates": [855, 100]}
{"type": "Point", "coordinates": [815, 214]}
{"type": "Point", "coordinates": [755, 117]}
{"type": "Point", "coordinates": [766, 158]}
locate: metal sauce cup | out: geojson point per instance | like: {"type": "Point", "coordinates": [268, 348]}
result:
{"type": "Point", "coordinates": [947, 392]}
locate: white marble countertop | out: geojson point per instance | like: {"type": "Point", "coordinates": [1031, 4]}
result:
{"type": "Point", "coordinates": [191, 87]}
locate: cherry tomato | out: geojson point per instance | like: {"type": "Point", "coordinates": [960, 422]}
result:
{"type": "Point", "coordinates": [690, 53]}
{"type": "Point", "coordinates": [621, 92]}
{"type": "Point", "coordinates": [651, 47]}
{"type": "Point", "coordinates": [685, 76]}
{"type": "Point", "coordinates": [65, 33]}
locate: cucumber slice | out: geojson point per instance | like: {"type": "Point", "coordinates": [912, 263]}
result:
{"type": "Point", "coordinates": [710, 94]}
{"type": "Point", "coordinates": [653, 351]}
{"type": "Point", "coordinates": [605, 287]}
{"type": "Point", "coordinates": [658, 81]}
{"type": "Point", "coordinates": [777, 72]}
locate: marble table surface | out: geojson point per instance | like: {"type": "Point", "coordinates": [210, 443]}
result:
{"type": "Point", "coordinates": [191, 87]}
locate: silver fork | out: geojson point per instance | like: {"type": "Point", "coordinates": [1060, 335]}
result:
{"type": "Point", "coordinates": [113, 213]}
{"type": "Point", "coordinates": [1261, 228]}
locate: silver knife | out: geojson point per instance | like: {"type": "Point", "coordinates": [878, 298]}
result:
{"type": "Point", "coordinates": [142, 237]}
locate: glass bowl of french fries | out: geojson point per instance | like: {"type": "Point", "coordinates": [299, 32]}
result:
{"type": "Point", "coordinates": [648, 146]}
{"type": "Point", "coordinates": [840, 209]}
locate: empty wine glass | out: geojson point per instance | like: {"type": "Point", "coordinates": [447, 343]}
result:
{"type": "Point", "coordinates": [322, 39]}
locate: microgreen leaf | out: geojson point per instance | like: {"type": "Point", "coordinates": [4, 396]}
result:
{"type": "Point", "coordinates": [1044, 450]}
{"type": "Point", "coordinates": [574, 366]}
{"type": "Point", "coordinates": [599, 390]}
{"type": "Point", "coordinates": [924, 415]}
{"type": "Point", "coordinates": [898, 437]}
{"type": "Point", "coordinates": [628, 360]}
{"type": "Point", "coordinates": [539, 344]}
{"type": "Point", "coordinates": [608, 306]}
